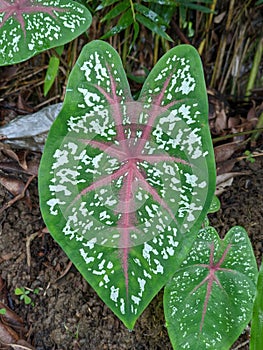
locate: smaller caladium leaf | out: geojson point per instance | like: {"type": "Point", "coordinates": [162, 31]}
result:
{"type": "Point", "coordinates": [256, 339]}
{"type": "Point", "coordinates": [28, 27]}
{"type": "Point", "coordinates": [209, 300]}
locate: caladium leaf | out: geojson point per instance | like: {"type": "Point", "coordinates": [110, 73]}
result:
{"type": "Point", "coordinates": [28, 27]}
{"type": "Point", "coordinates": [256, 340]}
{"type": "Point", "coordinates": [209, 300]}
{"type": "Point", "coordinates": [124, 185]}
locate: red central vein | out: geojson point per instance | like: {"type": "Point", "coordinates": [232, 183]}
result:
{"type": "Point", "coordinates": [125, 221]}
{"type": "Point", "coordinates": [115, 105]}
{"type": "Point", "coordinates": [211, 278]}
{"type": "Point", "coordinates": [130, 155]}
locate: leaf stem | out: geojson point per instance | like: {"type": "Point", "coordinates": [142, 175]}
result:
{"type": "Point", "coordinates": [133, 12]}
{"type": "Point", "coordinates": [255, 68]}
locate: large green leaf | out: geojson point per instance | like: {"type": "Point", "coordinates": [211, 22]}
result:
{"type": "Point", "coordinates": [28, 27]}
{"type": "Point", "coordinates": [125, 185]}
{"type": "Point", "coordinates": [209, 300]}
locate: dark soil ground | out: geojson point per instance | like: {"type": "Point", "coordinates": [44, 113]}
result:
{"type": "Point", "coordinates": [67, 314]}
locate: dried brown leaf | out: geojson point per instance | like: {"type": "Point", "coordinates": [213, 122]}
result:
{"type": "Point", "coordinates": [21, 345]}
{"type": "Point", "coordinates": [220, 17]}
{"type": "Point", "coordinates": [13, 185]}
{"type": "Point", "coordinates": [233, 122]}
{"type": "Point", "coordinates": [10, 166]}
{"type": "Point", "coordinates": [225, 151]}
{"type": "Point", "coordinates": [226, 166]}
{"type": "Point", "coordinates": [19, 156]}
{"type": "Point", "coordinates": [11, 319]}
{"type": "Point", "coordinates": [252, 116]}
{"type": "Point", "coordinates": [7, 335]}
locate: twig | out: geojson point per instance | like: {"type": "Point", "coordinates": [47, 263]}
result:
{"type": "Point", "coordinates": [240, 346]}
{"type": "Point", "coordinates": [28, 242]}
{"type": "Point", "coordinates": [19, 196]}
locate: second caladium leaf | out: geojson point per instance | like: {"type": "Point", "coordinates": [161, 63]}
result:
{"type": "Point", "coordinates": [209, 300]}
{"type": "Point", "coordinates": [124, 185]}
{"type": "Point", "coordinates": [28, 27]}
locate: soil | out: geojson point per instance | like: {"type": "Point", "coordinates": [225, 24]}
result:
{"type": "Point", "coordinates": [67, 313]}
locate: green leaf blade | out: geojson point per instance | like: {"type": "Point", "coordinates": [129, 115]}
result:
{"type": "Point", "coordinates": [116, 11]}
{"type": "Point", "coordinates": [210, 310]}
{"type": "Point", "coordinates": [51, 73]}
{"type": "Point", "coordinates": [124, 22]}
{"type": "Point", "coordinates": [148, 13]}
{"type": "Point", "coordinates": [155, 28]}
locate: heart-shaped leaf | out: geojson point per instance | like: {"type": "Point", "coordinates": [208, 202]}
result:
{"type": "Point", "coordinates": [209, 300]}
{"type": "Point", "coordinates": [28, 27]}
{"type": "Point", "coordinates": [124, 185]}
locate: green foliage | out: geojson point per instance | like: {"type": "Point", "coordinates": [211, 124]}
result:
{"type": "Point", "coordinates": [24, 294]}
{"type": "Point", "coordinates": [249, 156]}
{"type": "Point", "coordinates": [209, 300]}
{"type": "Point", "coordinates": [132, 13]}
{"type": "Point", "coordinates": [2, 311]}
{"type": "Point", "coordinates": [51, 73]}
{"type": "Point", "coordinates": [154, 15]}
{"type": "Point", "coordinates": [125, 185]}
{"type": "Point", "coordinates": [52, 70]}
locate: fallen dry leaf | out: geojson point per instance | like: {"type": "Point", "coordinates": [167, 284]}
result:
{"type": "Point", "coordinates": [11, 319]}
{"type": "Point", "coordinates": [17, 188]}
{"type": "Point", "coordinates": [225, 151]}
{"type": "Point", "coordinates": [225, 180]}
{"type": "Point", "coordinates": [13, 184]}
{"type": "Point", "coordinates": [11, 166]}
{"type": "Point", "coordinates": [7, 335]}
{"type": "Point", "coordinates": [19, 156]}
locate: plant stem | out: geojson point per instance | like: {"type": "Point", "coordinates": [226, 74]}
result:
{"type": "Point", "coordinates": [125, 47]}
{"type": "Point", "coordinates": [222, 46]}
{"type": "Point", "coordinates": [133, 12]}
{"type": "Point", "coordinates": [222, 138]}
{"type": "Point", "coordinates": [255, 68]}
{"type": "Point", "coordinates": [156, 49]}
{"type": "Point", "coordinates": [207, 27]}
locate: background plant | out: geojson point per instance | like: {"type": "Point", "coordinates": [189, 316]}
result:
{"type": "Point", "coordinates": [23, 294]}
{"type": "Point", "coordinates": [155, 16]}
